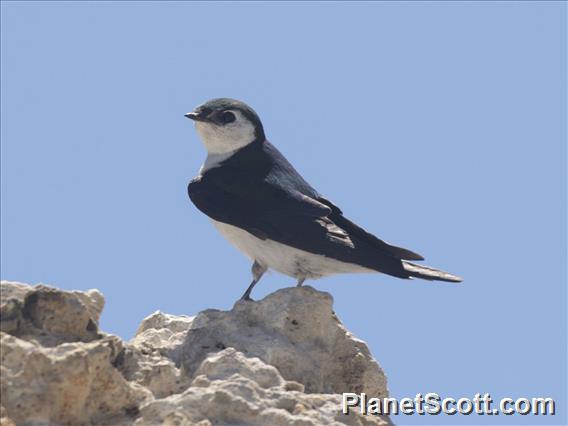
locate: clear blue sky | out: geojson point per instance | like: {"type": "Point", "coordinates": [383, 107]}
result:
{"type": "Point", "coordinates": [438, 126]}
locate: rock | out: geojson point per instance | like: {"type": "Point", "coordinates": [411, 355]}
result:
{"type": "Point", "coordinates": [163, 333]}
{"type": "Point", "coordinates": [151, 357]}
{"type": "Point", "coordinates": [11, 301]}
{"type": "Point", "coordinates": [283, 360]}
{"type": "Point", "coordinates": [230, 388]}
{"type": "Point", "coordinates": [66, 384]}
{"type": "Point", "coordinates": [48, 315]}
{"type": "Point", "coordinates": [296, 331]}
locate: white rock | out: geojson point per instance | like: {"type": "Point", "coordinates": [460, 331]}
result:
{"type": "Point", "coordinates": [231, 389]}
{"type": "Point", "coordinates": [72, 383]}
{"type": "Point", "coordinates": [296, 331]}
{"type": "Point", "coordinates": [280, 361]}
{"type": "Point", "coordinates": [163, 333]}
{"type": "Point", "coordinates": [150, 358]}
{"type": "Point", "coordinates": [225, 364]}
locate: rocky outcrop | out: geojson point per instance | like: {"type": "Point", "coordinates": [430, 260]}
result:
{"type": "Point", "coordinates": [280, 361]}
{"type": "Point", "coordinates": [294, 330]}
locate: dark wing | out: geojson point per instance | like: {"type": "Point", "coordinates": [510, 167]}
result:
{"type": "Point", "coordinates": [260, 208]}
{"type": "Point", "coordinates": [356, 231]}
{"type": "Point", "coordinates": [268, 211]}
{"type": "Point", "coordinates": [289, 217]}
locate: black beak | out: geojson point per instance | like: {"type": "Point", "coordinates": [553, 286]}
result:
{"type": "Point", "coordinates": [195, 116]}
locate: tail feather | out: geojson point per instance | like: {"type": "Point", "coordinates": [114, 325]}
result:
{"type": "Point", "coordinates": [427, 273]}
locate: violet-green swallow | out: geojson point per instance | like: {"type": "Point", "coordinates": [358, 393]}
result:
{"type": "Point", "coordinates": [264, 207]}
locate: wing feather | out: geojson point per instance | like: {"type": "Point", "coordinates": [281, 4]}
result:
{"type": "Point", "coordinates": [356, 231]}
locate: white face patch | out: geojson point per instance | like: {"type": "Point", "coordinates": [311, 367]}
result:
{"type": "Point", "coordinates": [224, 139]}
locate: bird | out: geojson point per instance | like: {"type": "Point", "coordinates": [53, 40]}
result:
{"type": "Point", "coordinates": [259, 202]}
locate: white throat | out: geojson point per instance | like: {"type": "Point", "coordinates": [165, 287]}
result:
{"type": "Point", "coordinates": [221, 139]}
{"type": "Point", "coordinates": [214, 160]}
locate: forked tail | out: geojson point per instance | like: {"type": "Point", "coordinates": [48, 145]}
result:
{"type": "Point", "coordinates": [427, 273]}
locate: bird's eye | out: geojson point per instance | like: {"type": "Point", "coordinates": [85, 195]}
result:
{"type": "Point", "coordinates": [227, 117]}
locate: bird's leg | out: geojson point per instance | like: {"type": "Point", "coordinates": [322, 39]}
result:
{"type": "Point", "coordinates": [257, 271]}
{"type": "Point", "coordinates": [300, 281]}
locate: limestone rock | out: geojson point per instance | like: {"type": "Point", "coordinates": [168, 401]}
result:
{"type": "Point", "coordinates": [279, 361]}
{"type": "Point", "coordinates": [233, 389]}
{"type": "Point", "coordinates": [151, 357]}
{"type": "Point", "coordinates": [296, 331]}
{"type": "Point", "coordinates": [48, 315]}
{"type": "Point", "coordinates": [163, 333]}
{"type": "Point", "coordinates": [66, 384]}
{"type": "Point", "coordinates": [11, 301]}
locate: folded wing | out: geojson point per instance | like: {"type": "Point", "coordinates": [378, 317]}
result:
{"type": "Point", "coordinates": [290, 217]}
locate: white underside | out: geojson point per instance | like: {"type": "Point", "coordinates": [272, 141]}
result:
{"type": "Point", "coordinates": [285, 259]}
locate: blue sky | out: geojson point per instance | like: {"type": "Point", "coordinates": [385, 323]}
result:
{"type": "Point", "coordinates": [438, 126]}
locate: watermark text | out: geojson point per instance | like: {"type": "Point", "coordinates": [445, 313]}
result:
{"type": "Point", "coordinates": [431, 403]}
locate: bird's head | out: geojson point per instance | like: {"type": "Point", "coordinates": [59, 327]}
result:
{"type": "Point", "coordinates": [225, 125]}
